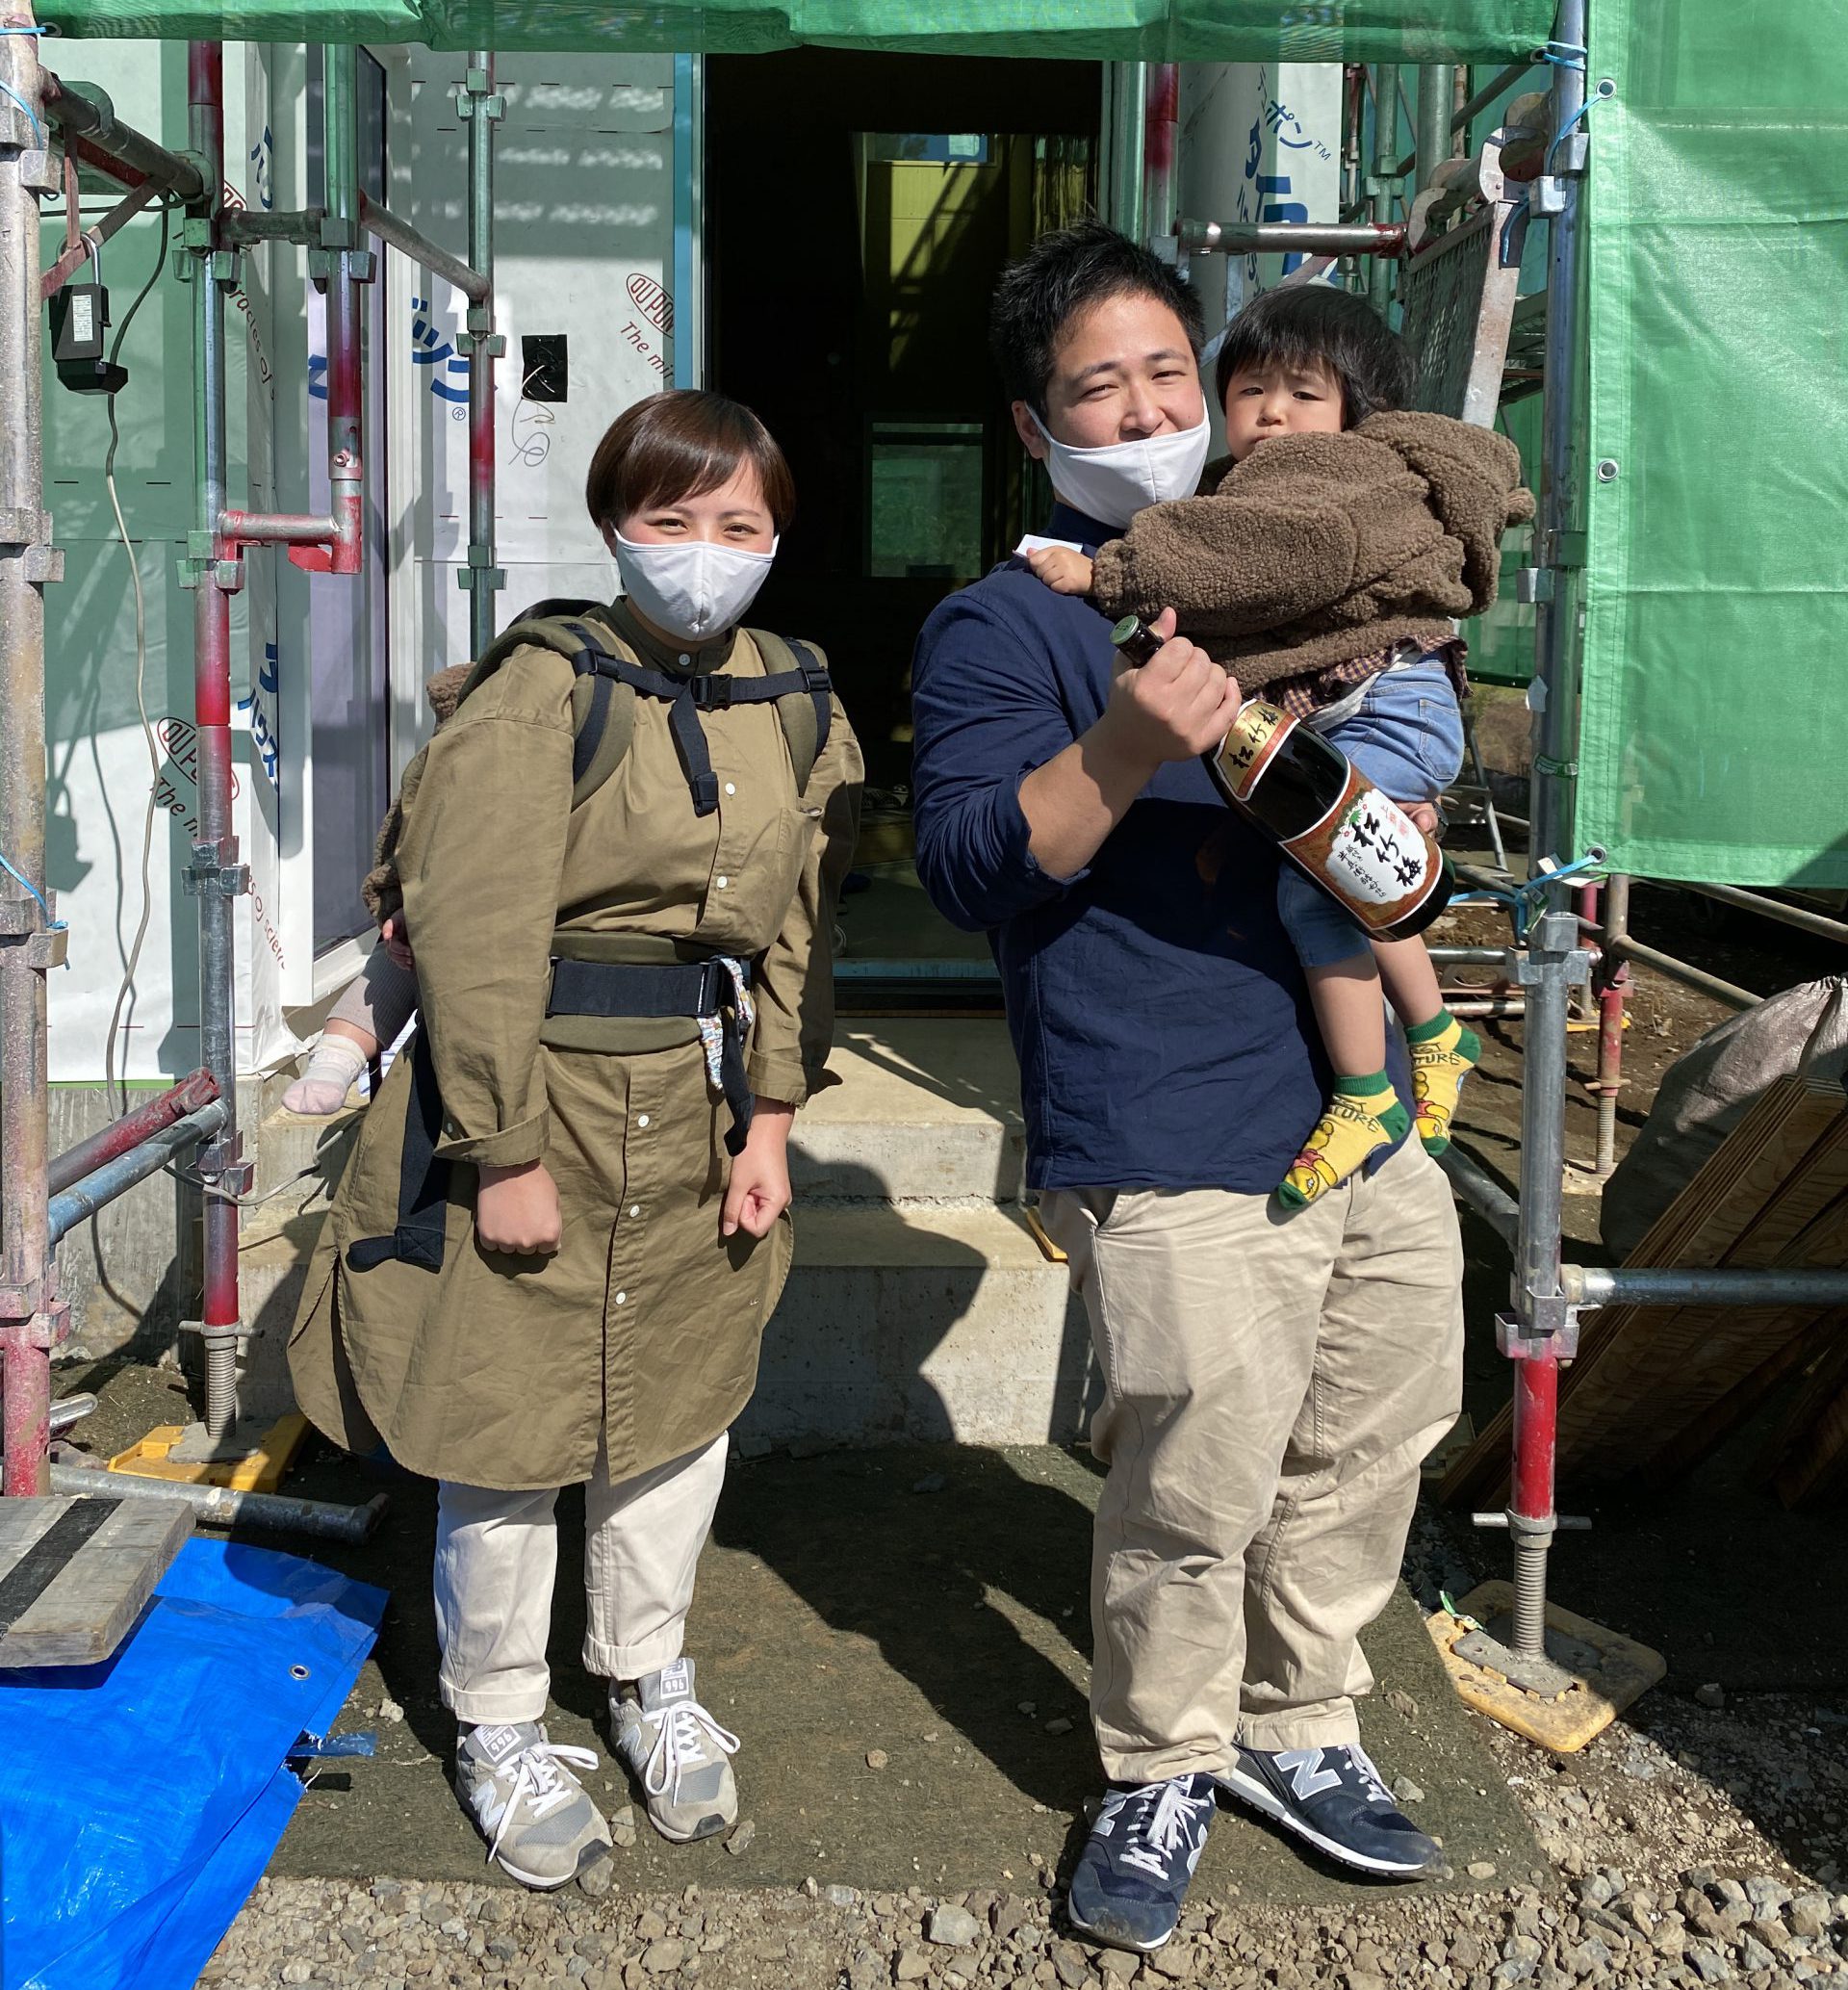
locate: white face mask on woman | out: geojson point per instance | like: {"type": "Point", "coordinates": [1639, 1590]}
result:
{"type": "Point", "coordinates": [691, 588]}
{"type": "Point", "coordinates": [1112, 483]}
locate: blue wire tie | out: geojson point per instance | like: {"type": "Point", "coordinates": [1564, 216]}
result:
{"type": "Point", "coordinates": [12, 870]}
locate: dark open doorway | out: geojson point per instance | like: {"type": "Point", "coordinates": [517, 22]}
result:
{"type": "Point", "coordinates": [858, 210]}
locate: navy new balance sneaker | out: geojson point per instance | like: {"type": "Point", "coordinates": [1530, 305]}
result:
{"type": "Point", "coordinates": [1133, 1873]}
{"type": "Point", "coordinates": [1334, 1799]}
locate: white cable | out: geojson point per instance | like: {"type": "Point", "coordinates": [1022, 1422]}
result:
{"type": "Point", "coordinates": [133, 961]}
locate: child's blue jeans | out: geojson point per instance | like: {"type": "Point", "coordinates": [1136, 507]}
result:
{"type": "Point", "coordinates": [1407, 736]}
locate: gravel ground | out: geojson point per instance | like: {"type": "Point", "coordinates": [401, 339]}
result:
{"type": "Point", "coordinates": [1674, 1838]}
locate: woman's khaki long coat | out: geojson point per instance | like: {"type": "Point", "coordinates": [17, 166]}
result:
{"type": "Point", "coordinates": [643, 1328]}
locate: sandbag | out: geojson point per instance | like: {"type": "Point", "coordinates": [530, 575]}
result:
{"type": "Point", "coordinates": [1706, 1092]}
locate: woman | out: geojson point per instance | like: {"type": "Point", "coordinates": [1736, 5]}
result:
{"type": "Point", "coordinates": [566, 1221]}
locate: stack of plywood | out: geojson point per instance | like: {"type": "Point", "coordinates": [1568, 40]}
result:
{"type": "Point", "coordinates": [1655, 1389]}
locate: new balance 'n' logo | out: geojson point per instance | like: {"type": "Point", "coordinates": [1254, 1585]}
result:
{"type": "Point", "coordinates": [1307, 1776]}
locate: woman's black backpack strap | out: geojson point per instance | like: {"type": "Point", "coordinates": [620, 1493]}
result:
{"type": "Point", "coordinates": [609, 678]}
{"type": "Point", "coordinates": [807, 707]}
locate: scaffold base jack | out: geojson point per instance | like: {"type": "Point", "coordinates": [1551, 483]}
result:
{"type": "Point", "coordinates": [1561, 1701]}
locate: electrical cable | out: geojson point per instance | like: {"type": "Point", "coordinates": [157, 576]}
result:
{"type": "Point", "coordinates": [123, 993]}
{"type": "Point", "coordinates": [37, 129]}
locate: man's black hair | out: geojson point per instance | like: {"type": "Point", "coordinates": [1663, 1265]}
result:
{"type": "Point", "coordinates": [1297, 326]}
{"type": "Point", "coordinates": [1063, 273]}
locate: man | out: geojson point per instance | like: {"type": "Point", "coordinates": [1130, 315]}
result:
{"type": "Point", "coordinates": [1272, 1379]}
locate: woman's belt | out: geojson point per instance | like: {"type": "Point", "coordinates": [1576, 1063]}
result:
{"type": "Point", "coordinates": [715, 992]}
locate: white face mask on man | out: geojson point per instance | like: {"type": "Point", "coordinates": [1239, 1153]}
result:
{"type": "Point", "coordinates": [691, 588]}
{"type": "Point", "coordinates": [1112, 483]}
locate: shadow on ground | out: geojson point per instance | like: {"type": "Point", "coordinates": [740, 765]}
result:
{"type": "Point", "coordinates": [923, 1603]}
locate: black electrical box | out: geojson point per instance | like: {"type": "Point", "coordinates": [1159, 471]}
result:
{"type": "Point", "coordinates": [545, 373]}
{"type": "Point", "coordinates": [79, 320]}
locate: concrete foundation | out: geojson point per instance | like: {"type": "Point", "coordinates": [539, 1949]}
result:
{"type": "Point", "coordinates": [920, 1308]}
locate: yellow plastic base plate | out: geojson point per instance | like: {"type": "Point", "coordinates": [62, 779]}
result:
{"type": "Point", "coordinates": [1609, 1674]}
{"type": "Point", "coordinates": [260, 1470]}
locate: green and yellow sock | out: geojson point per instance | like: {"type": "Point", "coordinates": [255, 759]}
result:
{"type": "Point", "coordinates": [1444, 1053]}
{"type": "Point", "coordinates": [1363, 1116]}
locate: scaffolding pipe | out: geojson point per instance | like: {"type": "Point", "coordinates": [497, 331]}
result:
{"type": "Point", "coordinates": [1696, 978]}
{"type": "Point", "coordinates": [1460, 119]}
{"type": "Point", "coordinates": [72, 1410]}
{"type": "Point", "coordinates": [192, 1092]}
{"type": "Point", "coordinates": [398, 233]}
{"type": "Point", "coordinates": [1302, 238]}
{"type": "Point", "coordinates": [218, 1506]}
{"type": "Point", "coordinates": [216, 876]}
{"type": "Point", "coordinates": [1504, 81]}
{"type": "Point", "coordinates": [484, 109]}
{"type": "Point", "coordinates": [250, 227]}
{"type": "Point", "coordinates": [28, 1325]}
{"type": "Point", "coordinates": [1381, 181]}
{"type": "Point", "coordinates": [1797, 916]}
{"type": "Point", "coordinates": [1486, 1195]}
{"type": "Point", "coordinates": [1128, 118]}
{"type": "Point", "coordinates": [1724, 1285]}
{"type": "Point", "coordinates": [336, 551]}
{"type": "Point", "coordinates": [1541, 1313]}
{"type": "Point", "coordinates": [1434, 123]}
{"type": "Point", "coordinates": [79, 1202]}
{"type": "Point", "coordinates": [1161, 148]}
{"type": "Point", "coordinates": [84, 114]}
{"type": "Point", "coordinates": [1554, 692]}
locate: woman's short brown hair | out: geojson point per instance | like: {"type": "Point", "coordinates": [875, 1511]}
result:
{"type": "Point", "coordinates": [683, 444]}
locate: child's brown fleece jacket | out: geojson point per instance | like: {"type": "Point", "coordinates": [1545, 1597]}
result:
{"type": "Point", "coordinates": [1320, 548]}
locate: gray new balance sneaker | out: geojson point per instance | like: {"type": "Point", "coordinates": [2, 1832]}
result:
{"type": "Point", "coordinates": [539, 1823]}
{"type": "Point", "coordinates": [677, 1751]}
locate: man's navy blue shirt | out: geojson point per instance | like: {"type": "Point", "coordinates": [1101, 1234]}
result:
{"type": "Point", "coordinates": [1157, 1007]}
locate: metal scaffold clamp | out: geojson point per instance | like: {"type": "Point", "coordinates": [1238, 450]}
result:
{"type": "Point", "coordinates": [476, 96]}
{"type": "Point", "coordinates": [1529, 1340]}
{"type": "Point", "coordinates": [209, 872]}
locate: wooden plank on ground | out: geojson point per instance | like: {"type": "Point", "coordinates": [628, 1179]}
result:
{"type": "Point", "coordinates": [1805, 1461]}
{"type": "Point", "coordinates": [1811, 1340]}
{"type": "Point", "coordinates": [1670, 1370]}
{"type": "Point", "coordinates": [75, 1574]}
{"type": "Point", "coordinates": [1792, 1142]}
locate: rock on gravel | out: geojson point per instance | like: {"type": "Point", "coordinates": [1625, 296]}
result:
{"type": "Point", "coordinates": [952, 1928]}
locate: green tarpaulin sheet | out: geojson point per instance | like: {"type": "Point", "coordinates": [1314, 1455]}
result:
{"type": "Point", "coordinates": [1715, 714]}
{"type": "Point", "coordinates": [1093, 30]}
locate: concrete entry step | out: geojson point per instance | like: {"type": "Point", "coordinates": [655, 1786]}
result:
{"type": "Point", "coordinates": [920, 1320]}
{"type": "Point", "coordinates": [926, 1110]}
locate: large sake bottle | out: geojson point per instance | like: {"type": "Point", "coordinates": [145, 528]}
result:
{"type": "Point", "coordinates": [1358, 844]}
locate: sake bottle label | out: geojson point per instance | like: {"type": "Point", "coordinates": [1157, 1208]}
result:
{"type": "Point", "coordinates": [1257, 732]}
{"type": "Point", "coordinates": [1372, 852]}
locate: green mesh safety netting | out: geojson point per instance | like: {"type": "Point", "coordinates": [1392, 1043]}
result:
{"type": "Point", "coordinates": [1094, 30]}
{"type": "Point", "coordinates": [1715, 715]}
{"type": "Point", "coordinates": [1501, 641]}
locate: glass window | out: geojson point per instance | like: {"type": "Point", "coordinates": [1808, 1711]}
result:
{"type": "Point", "coordinates": [926, 503]}
{"type": "Point", "coordinates": [929, 147]}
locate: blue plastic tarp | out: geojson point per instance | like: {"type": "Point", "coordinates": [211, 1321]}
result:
{"type": "Point", "coordinates": [140, 1800]}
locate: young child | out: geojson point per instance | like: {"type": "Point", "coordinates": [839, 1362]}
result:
{"type": "Point", "coordinates": [1322, 566]}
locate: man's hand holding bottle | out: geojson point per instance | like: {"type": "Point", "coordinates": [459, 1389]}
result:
{"type": "Point", "coordinates": [1174, 706]}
